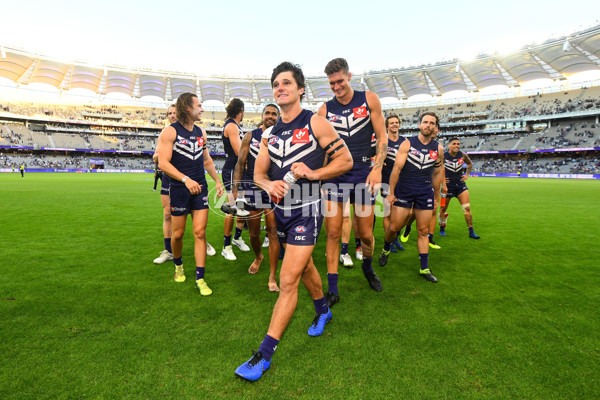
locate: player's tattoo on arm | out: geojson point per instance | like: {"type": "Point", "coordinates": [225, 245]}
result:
{"type": "Point", "coordinates": [238, 172]}
{"type": "Point", "coordinates": [380, 154]}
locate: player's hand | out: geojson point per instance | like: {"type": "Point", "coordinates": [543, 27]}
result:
{"type": "Point", "coordinates": [444, 188]}
{"type": "Point", "coordinates": [374, 180]}
{"type": "Point", "coordinates": [278, 189]}
{"type": "Point", "coordinates": [220, 189]}
{"type": "Point", "coordinates": [193, 186]}
{"type": "Point", "coordinates": [300, 170]}
{"type": "Point", "coordinates": [390, 198]}
{"type": "Point", "coordinates": [464, 178]}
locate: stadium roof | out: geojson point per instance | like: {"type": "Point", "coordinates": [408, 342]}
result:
{"type": "Point", "coordinates": [555, 59]}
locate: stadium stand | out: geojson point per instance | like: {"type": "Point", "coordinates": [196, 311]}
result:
{"type": "Point", "coordinates": [515, 130]}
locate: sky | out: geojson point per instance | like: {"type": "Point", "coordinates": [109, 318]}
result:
{"type": "Point", "coordinates": [249, 38]}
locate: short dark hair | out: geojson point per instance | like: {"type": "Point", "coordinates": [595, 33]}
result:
{"type": "Point", "coordinates": [390, 117]}
{"type": "Point", "coordinates": [271, 105]}
{"type": "Point", "coordinates": [294, 69]}
{"type": "Point", "coordinates": [452, 139]}
{"type": "Point", "coordinates": [337, 65]}
{"type": "Point", "coordinates": [234, 107]}
{"type": "Point", "coordinates": [184, 101]}
{"type": "Point", "coordinates": [432, 114]}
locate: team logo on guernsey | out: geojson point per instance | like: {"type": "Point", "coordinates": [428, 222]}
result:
{"type": "Point", "coordinates": [273, 140]}
{"type": "Point", "coordinates": [334, 118]}
{"type": "Point", "coordinates": [300, 229]}
{"type": "Point", "coordinates": [460, 161]}
{"type": "Point", "coordinates": [256, 143]}
{"type": "Point", "coordinates": [422, 160]}
{"type": "Point", "coordinates": [188, 148]}
{"type": "Point", "coordinates": [300, 136]}
{"type": "Point", "coordinates": [360, 112]}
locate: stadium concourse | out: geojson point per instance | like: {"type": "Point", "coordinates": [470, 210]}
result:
{"type": "Point", "coordinates": [551, 128]}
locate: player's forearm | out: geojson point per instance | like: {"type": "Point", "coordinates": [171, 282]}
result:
{"type": "Point", "coordinates": [170, 170]}
{"type": "Point", "coordinates": [261, 179]}
{"type": "Point", "coordinates": [380, 152]}
{"type": "Point", "coordinates": [212, 171]}
{"type": "Point", "coordinates": [335, 167]}
{"type": "Point", "coordinates": [238, 171]}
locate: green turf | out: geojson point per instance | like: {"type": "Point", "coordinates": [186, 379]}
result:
{"type": "Point", "coordinates": [85, 313]}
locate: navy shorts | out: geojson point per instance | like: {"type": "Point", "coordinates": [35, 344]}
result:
{"type": "Point", "coordinates": [455, 190]}
{"type": "Point", "coordinates": [417, 198]}
{"type": "Point", "coordinates": [257, 199]}
{"type": "Point", "coordinates": [165, 184]}
{"type": "Point", "coordinates": [350, 186]}
{"type": "Point", "coordinates": [227, 177]}
{"type": "Point", "coordinates": [301, 226]}
{"type": "Point", "coordinates": [183, 202]}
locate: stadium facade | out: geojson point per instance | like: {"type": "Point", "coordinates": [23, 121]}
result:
{"type": "Point", "coordinates": [560, 124]}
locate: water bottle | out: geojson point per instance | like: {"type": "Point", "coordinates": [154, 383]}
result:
{"type": "Point", "coordinates": [443, 200]}
{"type": "Point", "coordinates": [290, 179]}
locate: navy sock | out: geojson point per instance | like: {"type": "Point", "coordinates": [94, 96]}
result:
{"type": "Point", "coordinates": [168, 245]}
{"type": "Point", "coordinates": [387, 246]}
{"type": "Point", "coordinates": [424, 257]}
{"type": "Point", "coordinates": [430, 236]}
{"type": "Point", "coordinates": [321, 305]}
{"type": "Point", "coordinates": [238, 233]}
{"type": "Point", "coordinates": [443, 228]}
{"type": "Point", "coordinates": [366, 265]}
{"type": "Point", "coordinates": [471, 231]}
{"type": "Point", "coordinates": [199, 273]}
{"type": "Point", "coordinates": [344, 248]}
{"type": "Point", "coordinates": [177, 261]}
{"type": "Point", "coordinates": [227, 240]}
{"type": "Point", "coordinates": [357, 241]}
{"type": "Point", "coordinates": [332, 282]}
{"type": "Point", "coordinates": [268, 347]}
{"type": "Point", "coordinates": [407, 230]}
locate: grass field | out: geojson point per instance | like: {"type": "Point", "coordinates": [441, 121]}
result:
{"type": "Point", "coordinates": [86, 314]}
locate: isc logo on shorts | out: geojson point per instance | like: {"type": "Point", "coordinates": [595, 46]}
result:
{"type": "Point", "coordinates": [300, 229]}
{"type": "Point", "coordinates": [360, 112]}
{"type": "Point", "coordinates": [300, 136]}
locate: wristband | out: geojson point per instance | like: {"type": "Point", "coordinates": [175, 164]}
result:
{"type": "Point", "coordinates": [185, 178]}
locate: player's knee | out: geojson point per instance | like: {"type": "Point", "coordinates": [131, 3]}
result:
{"type": "Point", "coordinates": [177, 234]}
{"type": "Point", "coordinates": [288, 285]}
{"type": "Point", "coordinates": [334, 233]}
{"type": "Point", "coordinates": [200, 234]}
{"type": "Point", "coordinates": [423, 230]}
{"type": "Point", "coordinates": [167, 216]}
{"type": "Point", "coordinates": [466, 208]}
{"type": "Point", "coordinates": [272, 232]}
